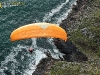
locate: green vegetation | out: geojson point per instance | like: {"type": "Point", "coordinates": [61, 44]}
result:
{"type": "Point", "coordinates": [87, 38]}
{"type": "Point", "coordinates": [73, 68]}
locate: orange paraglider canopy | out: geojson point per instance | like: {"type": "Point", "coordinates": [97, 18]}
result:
{"type": "Point", "coordinates": [38, 30]}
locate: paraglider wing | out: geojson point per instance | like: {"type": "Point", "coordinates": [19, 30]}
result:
{"type": "Point", "coordinates": [38, 30]}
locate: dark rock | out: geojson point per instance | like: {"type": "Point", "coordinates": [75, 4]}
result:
{"type": "Point", "coordinates": [70, 50]}
{"type": "Point", "coordinates": [63, 48]}
{"type": "Point", "coordinates": [81, 57]}
{"type": "Point", "coordinates": [44, 64]}
{"type": "Point", "coordinates": [78, 56]}
{"type": "Point", "coordinates": [74, 17]}
{"type": "Point", "coordinates": [40, 70]}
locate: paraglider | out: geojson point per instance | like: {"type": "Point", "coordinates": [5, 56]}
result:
{"type": "Point", "coordinates": [30, 50]}
{"type": "Point", "coordinates": [38, 30]}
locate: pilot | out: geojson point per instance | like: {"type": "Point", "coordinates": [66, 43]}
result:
{"type": "Point", "coordinates": [30, 50]}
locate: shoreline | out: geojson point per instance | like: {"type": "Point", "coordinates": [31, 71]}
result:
{"type": "Point", "coordinates": [68, 25]}
{"type": "Point", "coordinates": [74, 16]}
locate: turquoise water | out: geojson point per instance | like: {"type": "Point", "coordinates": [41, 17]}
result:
{"type": "Point", "coordinates": [15, 58]}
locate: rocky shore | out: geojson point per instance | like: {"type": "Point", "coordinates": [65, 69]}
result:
{"type": "Point", "coordinates": [44, 65]}
{"type": "Point", "coordinates": [75, 16]}
{"type": "Point", "coordinates": [68, 48]}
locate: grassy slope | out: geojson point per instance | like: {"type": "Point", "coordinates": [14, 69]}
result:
{"type": "Point", "coordinates": [87, 38]}
{"type": "Point", "coordinates": [87, 34]}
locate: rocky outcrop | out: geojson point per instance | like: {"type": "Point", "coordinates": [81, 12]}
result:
{"type": "Point", "coordinates": [69, 24]}
{"type": "Point", "coordinates": [44, 65]}
{"type": "Point", "coordinates": [70, 51]}
{"type": "Point", "coordinates": [75, 16]}
{"type": "Point", "coordinates": [41, 68]}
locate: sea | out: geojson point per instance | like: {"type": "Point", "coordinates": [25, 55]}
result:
{"type": "Point", "coordinates": [15, 58]}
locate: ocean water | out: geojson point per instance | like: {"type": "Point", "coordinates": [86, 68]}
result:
{"type": "Point", "coordinates": [15, 59]}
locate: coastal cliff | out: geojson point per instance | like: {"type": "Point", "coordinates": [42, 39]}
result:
{"type": "Point", "coordinates": [75, 17]}
{"type": "Point", "coordinates": [84, 16]}
{"type": "Point", "coordinates": [83, 27]}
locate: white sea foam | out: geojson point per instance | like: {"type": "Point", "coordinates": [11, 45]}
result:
{"type": "Point", "coordinates": [38, 54]}
{"type": "Point", "coordinates": [53, 11]}
{"type": "Point", "coordinates": [10, 63]}
{"type": "Point", "coordinates": [33, 64]}
{"type": "Point", "coordinates": [20, 56]}
{"type": "Point", "coordinates": [59, 19]}
{"type": "Point", "coordinates": [64, 15]}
